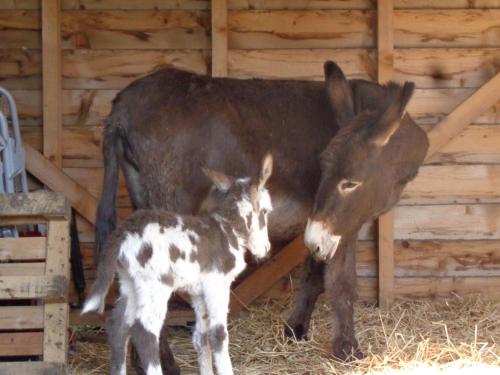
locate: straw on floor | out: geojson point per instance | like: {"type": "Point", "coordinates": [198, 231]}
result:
{"type": "Point", "coordinates": [412, 338]}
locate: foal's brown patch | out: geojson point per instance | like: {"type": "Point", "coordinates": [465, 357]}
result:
{"type": "Point", "coordinates": [145, 253]}
{"type": "Point", "coordinates": [176, 253]}
{"type": "Point", "coordinates": [167, 279]}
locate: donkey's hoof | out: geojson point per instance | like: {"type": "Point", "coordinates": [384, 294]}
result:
{"type": "Point", "coordinates": [347, 351]}
{"type": "Point", "coordinates": [296, 331]}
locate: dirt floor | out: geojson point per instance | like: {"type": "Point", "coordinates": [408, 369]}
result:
{"type": "Point", "coordinates": [457, 336]}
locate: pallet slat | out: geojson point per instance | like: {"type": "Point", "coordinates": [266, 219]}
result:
{"type": "Point", "coordinates": [23, 248]}
{"type": "Point", "coordinates": [21, 343]}
{"type": "Point", "coordinates": [51, 205]}
{"type": "Point", "coordinates": [33, 287]}
{"type": "Point", "coordinates": [21, 317]}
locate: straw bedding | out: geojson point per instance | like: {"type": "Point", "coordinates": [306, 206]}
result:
{"type": "Point", "coordinates": [446, 337]}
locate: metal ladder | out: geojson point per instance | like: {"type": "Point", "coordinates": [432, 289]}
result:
{"type": "Point", "coordinates": [12, 157]}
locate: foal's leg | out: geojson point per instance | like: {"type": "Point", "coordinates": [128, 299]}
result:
{"type": "Point", "coordinates": [340, 285]}
{"type": "Point", "coordinates": [311, 286]}
{"type": "Point", "coordinates": [217, 301]}
{"type": "Point", "coordinates": [152, 303]}
{"type": "Point", "coordinates": [118, 334]}
{"type": "Point", "coordinates": [200, 336]}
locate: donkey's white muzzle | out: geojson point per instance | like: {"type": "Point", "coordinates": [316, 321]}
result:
{"type": "Point", "coordinates": [320, 241]}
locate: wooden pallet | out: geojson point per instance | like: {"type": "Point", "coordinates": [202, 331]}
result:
{"type": "Point", "coordinates": [34, 280]}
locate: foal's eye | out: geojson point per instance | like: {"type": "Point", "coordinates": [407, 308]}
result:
{"type": "Point", "coordinates": [348, 186]}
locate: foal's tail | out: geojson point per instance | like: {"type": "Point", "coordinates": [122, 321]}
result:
{"type": "Point", "coordinates": [106, 269]}
{"type": "Point", "coordinates": [106, 212]}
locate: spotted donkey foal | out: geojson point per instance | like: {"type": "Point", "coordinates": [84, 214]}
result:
{"type": "Point", "coordinates": [156, 253]}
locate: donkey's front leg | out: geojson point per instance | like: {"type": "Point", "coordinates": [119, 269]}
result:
{"type": "Point", "coordinates": [200, 336]}
{"type": "Point", "coordinates": [217, 302]}
{"type": "Point", "coordinates": [311, 286]}
{"type": "Point", "coordinates": [340, 285]}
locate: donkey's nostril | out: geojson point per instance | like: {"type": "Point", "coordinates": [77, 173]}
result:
{"type": "Point", "coordinates": [317, 249]}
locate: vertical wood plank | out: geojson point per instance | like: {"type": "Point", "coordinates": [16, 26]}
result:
{"type": "Point", "coordinates": [56, 315]}
{"type": "Point", "coordinates": [52, 89]}
{"type": "Point", "coordinates": [219, 38]}
{"type": "Point", "coordinates": [385, 61]}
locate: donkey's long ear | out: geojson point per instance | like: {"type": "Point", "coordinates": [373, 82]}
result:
{"type": "Point", "coordinates": [391, 119]}
{"type": "Point", "coordinates": [220, 180]}
{"type": "Point", "coordinates": [339, 92]}
{"type": "Point", "coordinates": [265, 170]}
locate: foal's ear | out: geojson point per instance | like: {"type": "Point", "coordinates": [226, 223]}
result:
{"type": "Point", "coordinates": [265, 170]}
{"type": "Point", "coordinates": [339, 92]}
{"type": "Point", "coordinates": [220, 180]}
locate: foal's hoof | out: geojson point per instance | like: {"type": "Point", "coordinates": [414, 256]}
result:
{"type": "Point", "coordinates": [347, 351]}
{"type": "Point", "coordinates": [296, 331]}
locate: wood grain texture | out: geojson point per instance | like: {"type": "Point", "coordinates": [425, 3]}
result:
{"type": "Point", "coordinates": [56, 180]}
{"type": "Point", "coordinates": [55, 334]}
{"type": "Point", "coordinates": [21, 317]}
{"type": "Point", "coordinates": [454, 184]}
{"type": "Point", "coordinates": [219, 38]}
{"type": "Point", "coordinates": [23, 248]}
{"type": "Point", "coordinates": [136, 29]}
{"type": "Point", "coordinates": [32, 287]}
{"type": "Point", "coordinates": [304, 29]}
{"type": "Point", "coordinates": [447, 28]}
{"type": "Point", "coordinates": [448, 222]}
{"type": "Point", "coordinates": [302, 64]}
{"type": "Point", "coordinates": [463, 115]}
{"type": "Point", "coordinates": [115, 69]}
{"type": "Point", "coordinates": [32, 368]}
{"type": "Point", "coordinates": [21, 344]}
{"type": "Point", "coordinates": [40, 203]}
{"type": "Point", "coordinates": [51, 77]}
{"type": "Point", "coordinates": [22, 269]}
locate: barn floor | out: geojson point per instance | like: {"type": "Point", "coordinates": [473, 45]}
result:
{"type": "Point", "coordinates": [413, 337]}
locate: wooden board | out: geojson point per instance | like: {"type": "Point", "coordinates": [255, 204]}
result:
{"type": "Point", "coordinates": [115, 69]}
{"type": "Point", "coordinates": [299, 64]}
{"type": "Point", "coordinates": [33, 287]}
{"type": "Point", "coordinates": [251, 4]}
{"type": "Point", "coordinates": [305, 29]}
{"type": "Point", "coordinates": [448, 222]}
{"type": "Point", "coordinates": [21, 343]}
{"type": "Point", "coordinates": [43, 203]}
{"type": "Point", "coordinates": [21, 269]}
{"type": "Point", "coordinates": [52, 100]}
{"type": "Point", "coordinates": [21, 317]}
{"type": "Point", "coordinates": [219, 37]}
{"type": "Point", "coordinates": [454, 184]}
{"type": "Point", "coordinates": [136, 29]}
{"type": "Point", "coordinates": [24, 248]}
{"type": "Point", "coordinates": [32, 368]}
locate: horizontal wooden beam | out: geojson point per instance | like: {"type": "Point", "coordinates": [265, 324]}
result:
{"type": "Point", "coordinates": [33, 368]}
{"type": "Point", "coordinates": [33, 248]}
{"type": "Point", "coordinates": [486, 96]}
{"type": "Point", "coordinates": [58, 181]}
{"type": "Point", "coordinates": [40, 203]}
{"type": "Point", "coordinates": [268, 274]}
{"type": "Point", "coordinates": [30, 287]}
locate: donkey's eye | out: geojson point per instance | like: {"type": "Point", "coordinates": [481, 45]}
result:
{"type": "Point", "coordinates": [348, 186]}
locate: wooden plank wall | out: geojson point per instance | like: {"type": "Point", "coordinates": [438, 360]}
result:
{"type": "Point", "coordinates": [447, 226]}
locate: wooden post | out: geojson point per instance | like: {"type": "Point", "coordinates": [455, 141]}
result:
{"type": "Point", "coordinates": [219, 38]}
{"type": "Point", "coordinates": [56, 314]}
{"type": "Point", "coordinates": [52, 95]}
{"type": "Point", "coordinates": [385, 61]}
